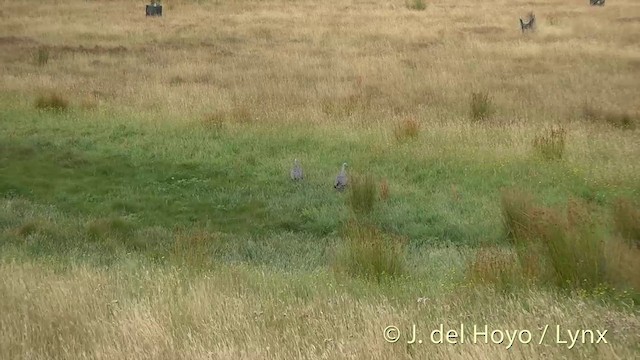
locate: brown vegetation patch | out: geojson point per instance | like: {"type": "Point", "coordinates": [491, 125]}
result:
{"type": "Point", "coordinates": [626, 218]}
{"type": "Point", "coordinates": [634, 64]}
{"type": "Point", "coordinates": [425, 44]}
{"type": "Point", "coordinates": [628, 19]}
{"type": "Point", "coordinates": [493, 265]}
{"type": "Point", "coordinates": [16, 40]}
{"type": "Point", "coordinates": [177, 44]}
{"type": "Point", "coordinates": [202, 79]}
{"type": "Point", "coordinates": [617, 119]}
{"type": "Point", "coordinates": [384, 190]}
{"type": "Point", "coordinates": [52, 102]}
{"type": "Point", "coordinates": [484, 29]}
{"type": "Point", "coordinates": [106, 95]}
{"type": "Point", "coordinates": [551, 145]}
{"type": "Point", "coordinates": [408, 128]}
{"type": "Point", "coordinates": [95, 50]}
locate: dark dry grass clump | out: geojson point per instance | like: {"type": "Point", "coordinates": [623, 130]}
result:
{"type": "Point", "coordinates": [626, 219]}
{"type": "Point", "coordinates": [215, 120]}
{"type": "Point", "coordinates": [384, 190]}
{"type": "Point", "coordinates": [408, 128]}
{"type": "Point", "coordinates": [363, 194]}
{"type": "Point", "coordinates": [193, 248]}
{"type": "Point", "coordinates": [625, 121]}
{"type": "Point", "coordinates": [52, 102]}
{"type": "Point", "coordinates": [551, 145]}
{"type": "Point", "coordinates": [109, 227]}
{"type": "Point", "coordinates": [495, 266]}
{"type": "Point", "coordinates": [620, 120]}
{"type": "Point", "coordinates": [481, 106]}
{"type": "Point", "coordinates": [42, 56]}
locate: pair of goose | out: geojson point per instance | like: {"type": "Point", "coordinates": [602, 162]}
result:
{"type": "Point", "coordinates": [340, 183]}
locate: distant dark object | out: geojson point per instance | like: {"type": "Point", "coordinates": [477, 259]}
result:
{"type": "Point", "coordinates": [154, 9]}
{"type": "Point", "coordinates": [530, 24]}
{"type": "Point", "coordinates": [596, 2]}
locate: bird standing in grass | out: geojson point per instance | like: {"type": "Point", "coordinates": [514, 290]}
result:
{"type": "Point", "coordinates": [297, 173]}
{"type": "Point", "coordinates": [341, 179]}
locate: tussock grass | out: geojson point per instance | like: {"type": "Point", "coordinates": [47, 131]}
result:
{"type": "Point", "coordinates": [369, 253]}
{"type": "Point", "coordinates": [497, 267]}
{"type": "Point", "coordinates": [215, 120]}
{"type": "Point", "coordinates": [42, 56]}
{"type": "Point", "coordinates": [571, 249]}
{"type": "Point", "coordinates": [384, 190]}
{"type": "Point", "coordinates": [363, 193]}
{"type": "Point", "coordinates": [348, 105]}
{"type": "Point", "coordinates": [624, 121]}
{"type": "Point", "coordinates": [241, 114]}
{"type": "Point", "coordinates": [619, 120]}
{"type": "Point", "coordinates": [52, 102]}
{"type": "Point", "coordinates": [109, 227]}
{"type": "Point", "coordinates": [407, 129]}
{"type": "Point", "coordinates": [515, 206]}
{"type": "Point", "coordinates": [36, 227]}
{"type": "Point", "coordinates": [89, 103]}
{"type": "Point", "coordinates": [575, 247]}
{"type": "Point", "coordinates": [552, 144]}
{"type": "Point", "coordinates": [238, 114]}
{"type": "Point", "coordinates": [192, 249]}
{"type": "Point", "coordinates": [626, 218]}
{"type": "Point", "coordinates": [481, 107]}
{"type": "Point", "coordinates": [623, 267]}
{"type": "Point", "coordinates": [455, 194]}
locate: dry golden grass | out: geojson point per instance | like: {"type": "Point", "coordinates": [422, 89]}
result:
{"type": "Point", "coordinates": [134, 311]}
{"type": "Point", "coordinates": [346, 64]}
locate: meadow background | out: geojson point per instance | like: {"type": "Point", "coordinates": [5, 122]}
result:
{"type": "Point", "coordinates": [146, 209]}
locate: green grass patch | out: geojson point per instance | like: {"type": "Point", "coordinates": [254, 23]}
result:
{"type": "Point", "coordinates": [236, 182]}
{"type": "Point", "coordinates": [416, 5]}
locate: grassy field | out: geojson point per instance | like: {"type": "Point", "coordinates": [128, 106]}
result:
{"type": "Point", "coordinates": [146, 209]}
